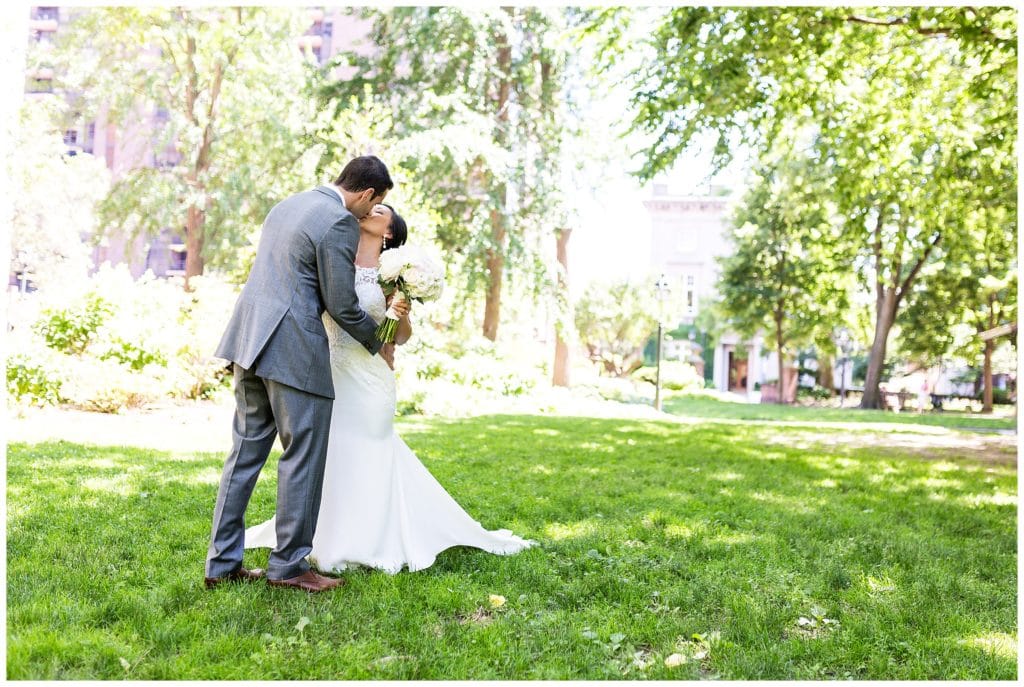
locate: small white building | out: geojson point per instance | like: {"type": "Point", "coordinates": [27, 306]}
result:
{"type": "Point", "coordinates": [688, 233]}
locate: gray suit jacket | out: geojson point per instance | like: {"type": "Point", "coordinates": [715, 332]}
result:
{"type": "Point", "coordinates": [305, 264]}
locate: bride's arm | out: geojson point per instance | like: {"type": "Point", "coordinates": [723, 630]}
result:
{"type": "Point", "coordinates": [404, 331]}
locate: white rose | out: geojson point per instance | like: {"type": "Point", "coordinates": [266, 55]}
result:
{"type": "Point", "coordinates": [414, 276]}
{"type": "Point", "coordinates": [391, 263]}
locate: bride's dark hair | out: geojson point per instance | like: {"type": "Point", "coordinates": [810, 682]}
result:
{"type": "Point", "coordinates": [399, 232]}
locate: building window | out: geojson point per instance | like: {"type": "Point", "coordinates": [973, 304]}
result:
{"type": "Point", "coordinates": [690, 295]}
{"type": "Point", "coordinates": [46, 13]}
{"type": "Point", "coordinates": [40, 85]}
{"type": "Point", "coordinates": [178, 252]}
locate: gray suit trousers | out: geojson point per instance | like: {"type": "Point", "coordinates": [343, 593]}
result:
{"type": "Point", "coordinates": [265, 408]}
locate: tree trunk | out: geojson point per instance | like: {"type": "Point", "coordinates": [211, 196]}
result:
{"type": "Point", "coordinates": [495, 268]}
{"type": "Point", "coordinates": [560, 376]}
{"type": "Point", "coordinates": [884, 318]}
{"type": "Point", "coordinates": [825, 375]}
{"type": "Point", "coordinates": [194, 221]}
{"type": "Point", "coordinates": [986, 405]}
{"type": "Point", "coordinates": [496, 253]}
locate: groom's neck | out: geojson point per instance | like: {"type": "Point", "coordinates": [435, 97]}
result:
{"type": "Point", "coordinates": [343, 193]}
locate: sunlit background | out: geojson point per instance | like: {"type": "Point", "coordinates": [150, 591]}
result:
{"type": "Point", "coordinates": [585, 174]}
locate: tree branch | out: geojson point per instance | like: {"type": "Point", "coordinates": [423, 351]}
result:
{"type": "Point", "coordinates": [897, 254]}
{"type": "Point", "coordinates": [903, 21]}
{"type": "Point", "coordinates": [905, 286]}
{"type": "Point", "coordinates": [879, 292]}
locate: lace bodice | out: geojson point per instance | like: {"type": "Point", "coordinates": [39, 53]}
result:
{"type": "Point", "coordinates": [344, 349]}
{"type": "Point", "coordinates": [371, 298]}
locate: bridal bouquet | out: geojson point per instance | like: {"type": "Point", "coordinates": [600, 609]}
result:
{"type": "Point", "coordinates": [413, 274]}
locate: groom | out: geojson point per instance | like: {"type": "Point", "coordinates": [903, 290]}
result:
{"type": "Point", "coordinates": [305, 264]}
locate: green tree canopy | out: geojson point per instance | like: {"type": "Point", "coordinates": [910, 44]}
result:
{"type": "Point", "coordinates": [220, 94]}
{"type": "Point", "coordinates": [479, 96]}
{"type": "Point", "coordinates": [911, 112]}
{"type": "Point", "coordinates": [783, 276]}
{"type": "Point", "coordinates": [614, 323]}
{"type": "Point", "coordinates": [963, 301]}
{"type": "Point", "coordinates": [54, 196]}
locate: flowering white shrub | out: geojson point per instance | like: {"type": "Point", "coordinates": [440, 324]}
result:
{"type": "Point", "coordinates": [151, 340]}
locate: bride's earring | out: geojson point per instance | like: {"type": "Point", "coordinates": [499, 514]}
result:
{"type": "Point", "coordinates": [384, 246]}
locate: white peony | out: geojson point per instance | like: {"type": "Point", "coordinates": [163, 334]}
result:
{"type": "Point", "coordinates": [392, 262]}
{"type": "Point", "coordinates": [409, 272]}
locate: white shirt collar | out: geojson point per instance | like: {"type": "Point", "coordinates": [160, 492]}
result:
{"type": "Point", "coordinates": [335, 189]}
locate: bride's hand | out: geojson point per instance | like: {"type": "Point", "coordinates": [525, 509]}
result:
{"type": "Point", "coordinates": [387, 351]}
{"type": "Point", "coordinates": [402, 306]}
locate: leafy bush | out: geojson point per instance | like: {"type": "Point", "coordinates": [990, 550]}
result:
{"type": "Point", "coordinates": [613, 323]}
{"type": "Point", "coordinates": [675, 376]}
{"type": "Point", "coordinates": [201, 317]}
{"type": "Point", "coordinates": [475, 362]}
{"type": "Point", "coordinates": [484, 372]}
{"type": "Point", "coordinates": [444, 372]}
{"type": "Point", "coordinates": [105, 386]}
{"type": "Point", "coordinates": [412, 403]}
{"type": "Point", "coordinates": [72, 329]}
{"type": "Point", "coordinates": [817, 393]}
{"type": "Point", "coordinates": [132, 355]}
{"type": "Point", "coordinates": [123, 344]}
{"type": "Point", "coordinates": [29, 381]}
{"type": "Point", "coordinates": [999, 396]}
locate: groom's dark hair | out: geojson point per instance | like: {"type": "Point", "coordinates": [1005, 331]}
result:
{"type": "Point", "coordinates": [366, 171]}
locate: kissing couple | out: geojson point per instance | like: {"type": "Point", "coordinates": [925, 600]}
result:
{"type": "Point", "coordinates": [310, 369]}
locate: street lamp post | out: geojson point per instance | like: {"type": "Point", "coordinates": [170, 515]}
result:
{"type": "Point", "coordinates": [661, 292]}
{"type": "Point", "coordinates": [845, 346]}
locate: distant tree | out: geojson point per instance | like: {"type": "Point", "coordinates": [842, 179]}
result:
{"type": "Point", "coordinates": [224, 88]}
{"type": "Point", "coordinates": [974, 289]}
{"type": "Point", "coordinates": [783, 276]}
{"type": "Point", "coordinates": [914, 108]}
{"type": "Point", "coordinates": [54, 197]}
{"type": "Point", "coordinates": [480, 94]}
{"type": "Point", "coordinates": [614, 322]}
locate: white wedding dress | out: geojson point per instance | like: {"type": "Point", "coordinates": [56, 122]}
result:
{"type": "Point", "coordinates": [380, 508]}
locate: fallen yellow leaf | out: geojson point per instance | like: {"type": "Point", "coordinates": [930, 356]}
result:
{"type": "Point", "coordinates": [675, 660]}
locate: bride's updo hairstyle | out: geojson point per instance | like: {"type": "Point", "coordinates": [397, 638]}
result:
{"type": "Point", "coordinates": [399, 232]}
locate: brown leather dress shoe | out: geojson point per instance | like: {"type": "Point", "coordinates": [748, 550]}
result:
{"type": "Point", "coordinates": [308, 581]}
{"type": "Point", "coordinates": [240, 575]}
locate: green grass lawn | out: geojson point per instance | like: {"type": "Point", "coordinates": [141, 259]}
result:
{"type": "Point", "coordinates": [713, 408]}
{"type": "Point", "coordinates": [740, 558]}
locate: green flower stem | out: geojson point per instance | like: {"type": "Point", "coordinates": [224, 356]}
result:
{"type": "Point", "coordinates": [386, 330]}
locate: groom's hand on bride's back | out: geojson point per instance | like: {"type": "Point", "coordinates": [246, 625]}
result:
{"type": "Point", "coordinates": [387, 351]}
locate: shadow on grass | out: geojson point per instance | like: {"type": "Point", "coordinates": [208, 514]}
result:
{"type": "Point", "coordinates": [650, 530]}
{"type": "Point", "coordinates": [713, 408]}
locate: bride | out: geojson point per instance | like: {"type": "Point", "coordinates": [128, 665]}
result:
{"type": "Point", "coordinates": [380, 508]}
